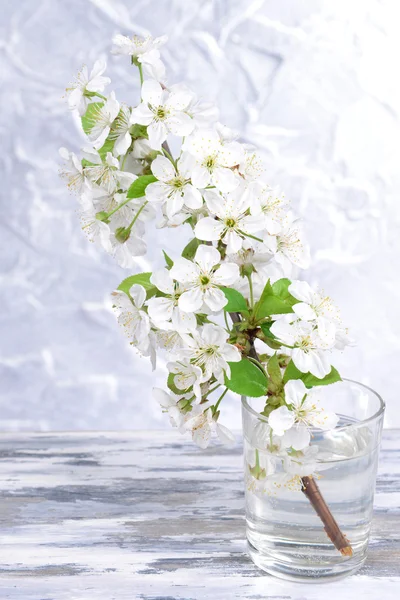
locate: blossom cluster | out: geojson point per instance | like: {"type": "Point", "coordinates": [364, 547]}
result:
{"type": "Point", "coordinates": [229, 313]}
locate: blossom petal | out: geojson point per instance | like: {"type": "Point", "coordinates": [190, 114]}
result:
{"type": "Point", "coordinates": [142, 114]}
{"type": "Point", "coordinates": [200, 176]}
{"type": "Point", "coordinates": [180, 124]}
{"type": "Point", "coordinates": [163, 281]}
{"type": "Point", "coordinates": [157, 133]}
{"type": "Point", "coordinates": [184, 270]}
{"type": "Point", "coordinates": [160, 309]}
{"type": "Point", "coordinates": [281, 419]}
{"type": "Point", "coordinates": [209, 229]}
{"type": "Point", "coordinates": [138, 295]}
{"type": "Point", "coordinates": [227, 274]}
{"type": "Point", "coordinates": [215, 299]}
{"type": "Point", "coordinates": [191, 300]}
{"type": "Point", "coordinates": [224, 179]}
{"type": "Point", "coordinates": [304, 311]}
{"type": "Point", "coordinates": [302, 291]}
{"type": "Point", "coordinates": [225, 436]}
{"type": "Point", "coordinates": [207, 257]}
{"type": "Point", "coordinates": [157, 191]}
{"type": "Point", "coordinates": [192, 197]}
{"type": "Point", "coordinates": [122, 144]}
{"type": "Point", "coordinates": [297, 437]}
{"type": "Point", "coordinates": [295, 390]}
{"type": "Point", "coordinates": [163, 169]}
{"type": "Point", "coordinates": [152, 92]}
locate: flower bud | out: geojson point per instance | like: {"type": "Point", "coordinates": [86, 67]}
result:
{"type": "Point", "coordinates": [102, 216]}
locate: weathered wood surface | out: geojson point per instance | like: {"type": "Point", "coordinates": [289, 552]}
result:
{"type": "Point", "coordinates": [146, 515]}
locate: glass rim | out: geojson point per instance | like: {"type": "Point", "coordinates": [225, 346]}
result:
{"type": "Point", "coordinates": [373, 417]}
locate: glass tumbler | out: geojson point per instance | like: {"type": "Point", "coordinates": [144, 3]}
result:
{"type": "Point", "coordinates": [288, 492]}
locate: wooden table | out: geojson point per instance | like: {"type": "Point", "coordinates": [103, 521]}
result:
{"type": "Point", "coordinates": [147, 515]}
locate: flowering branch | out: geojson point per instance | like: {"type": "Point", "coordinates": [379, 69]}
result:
{"type": "Point", "coordinates": [244, 246]}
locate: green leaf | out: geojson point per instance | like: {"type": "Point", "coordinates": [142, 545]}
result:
{"type": "Point", "coordinates": [308, 379]}
{"type": "Point", "coordinates": [89, 118]}
{"type": "Point", "coordinates": [274, 371]}
{"type": "Point", "coordinates": [236, 302]}
{"type": "Point", "coordinates": [270, 340]}
{"type": "Point", "coordinates": [275, 299]}
{"type": "Point", "coordinates": [138, 187]}
{"type": "Point", "coordinates": [142, 279]}
{"type": "Point", "coordinates": [171, 385]}
{"type": "Point", "coordinates": [169, 262]}
{"type": "Point", "coordinates": [246, 379]}
{"type": "Point", "coordinates": [138, 131]}
{"type": "Point", "coordinates": [108, 146]}
{"type": "Point", "coordinates": [190, 249]}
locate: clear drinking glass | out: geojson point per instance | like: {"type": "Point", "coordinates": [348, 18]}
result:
{"type": "Point", "coordinates": [286, 537]}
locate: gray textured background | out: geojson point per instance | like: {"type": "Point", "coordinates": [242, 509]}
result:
{"type": "Point", "coordinates": [314, 84]}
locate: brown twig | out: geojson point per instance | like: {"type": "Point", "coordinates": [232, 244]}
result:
{"type": "Point", "coordinates": [311, 490]}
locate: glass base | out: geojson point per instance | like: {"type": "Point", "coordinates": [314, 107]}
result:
{"type": "Point", "coordinates": [303, 567]}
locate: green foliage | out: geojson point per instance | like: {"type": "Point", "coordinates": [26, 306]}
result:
{"type": "Point", "coordinates": [88, 120]}
{"type": "Point", "coordinates": [247, 379]}
{"type": "Point", "coordinates": [308, 379]}
{"type": "Point", "coordinates": [142, 279]}
{"type": "Point", "coordinates": [108, 146]}
{"type": "Point", "coordinates": [275, 299]}
{"type": "Point", "coordinates": [171, 385]}
{"type": "Point", "coordinates": [138, 131]}
{"type": "Point", "coordinates": [169, 262]}
{"type": "Point", "coordinates": [190, 249]}
{"type": "Point", "coordinates": [236, 302]}
{"type": "Point", "coordinates": [138, 187]}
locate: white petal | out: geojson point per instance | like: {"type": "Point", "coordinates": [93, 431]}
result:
{"type": "Point", "coordinates": [304, 311]}
{"type": "Point", "coordinates": [281, 419]}
{"type": "Point", "coordinates": [122, 144]}
{"type": "Point", "coordinates": [191, 300]}
{"type": "Point", "coordinates": [183, 321]}
{"type": "Point", "coordinates": [180, 124]}
{"type": "Point", "coordinates": [231, 154]}
{"type": "Point", "coordinates": [224, 179]}
{"type": "Point", "coordinates": [157, 191]}
{"type": "Point", "coordinates": [183, 270]}
{"type": "Point", "coordinates": [225, 435]}
{"type": "Point", "coordinates": [233, 241]}
{"type": "Point", "coordinates": [283, 331]}
{"type": "Point", "coordinates": [192, 197]}
{"type": "Point", "coordinates": [208, 229]}
{"type": "Point", "coordinates": [163, 281]}
{"type": "Point", "coordinates": [227, 274]}
{"type": "Point", "coordinates": [231, 353]}
{"type": "Point", "coordinates": [295, 391]}
{"type": "Point", "coordinates": [215, 299]}
{"type": "Point", "coordinates": [157, 133]}
{"type": "Point", "coordinates": [142, 114]}
{"type": "Point", "coordinates": [163, 398]}
{"type": "Point", "coordinates": [202, 436]}
{"type": "Point", "coordinates": [302, 291]}
{"type": "Point", "coordinates": [200, 177]}
{"type": "Point", "coordinates": [163, 169]}
{"type": "Point", "coordinates": [297, 437]}
{"type": "Point", "coordinates": [160, 309]}
{"type": "Point", "coordinates": [207, 257]}
{"type": "Point", "coordinates": [174, 203]}
{"type": "Point", "coordinates": [152, 92]}
{"type": "Point", "coordinates": [138, 294]}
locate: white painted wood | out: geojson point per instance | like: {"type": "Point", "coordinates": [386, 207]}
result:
{"type": "Point", "coordinates": [147, 515]}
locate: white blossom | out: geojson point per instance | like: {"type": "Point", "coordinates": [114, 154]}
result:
{"type": "Point", "coordinates": [133, 319]}
{"type": "Point", "coordinates": [95, 230]}
{"type": "Point", "coordinates": [304, 412]}
{"type": "Point", "coordinates": [143, 50]}
{"type": "Point", "coordinates": [201, 279]}
{"type": "Point", "coordinates": [102, 116]}
{"type": "Point", "coordinates": [214, 160]}
{"type": "Point", "coordinates": [287, 246]}
{"type": "Point", "coordinates": [173, 187]}
{"type": "Point", "coordinates": [108, 175]}
{"type": "Point", "coordinates": [169, 404]}
{"type": "Point", "coordinates": [166, 308]}
{"type": "Point", "coordinates": [308, 350]}
{"type": "Point", "coordinates": [186, 377]}
{"type": "Point", "coordinates": [73, 172]}
{"type": "Point", "coordinates": [202, 425]}
{"type": "Point", "coordinates": [268, 205]}
{"type": "Point", "coordinates": [162, 112]}
{"type": "Point", "coordinates": [231, 221]}
{"type": "Point", "coordinates": [209, 349]}
{"type": "Point", "coordinates": [95, 82]}
{"type": "Point", "coordinates": [317, 307]}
